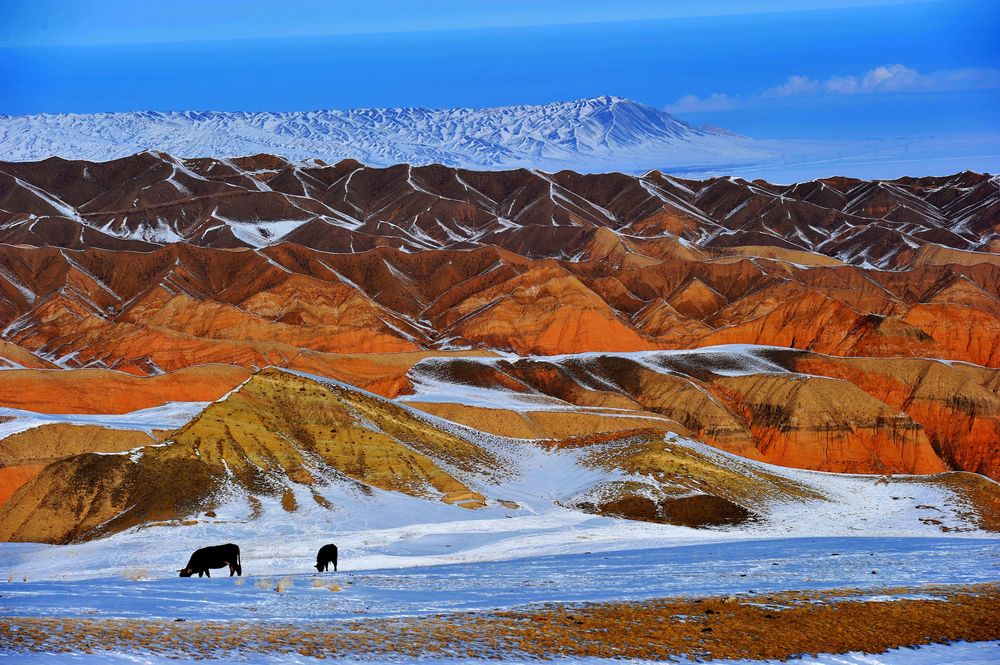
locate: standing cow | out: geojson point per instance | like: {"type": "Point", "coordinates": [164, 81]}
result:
{"type": "Point", "coordinates": [326, 555]}
{"type": "Point", "coordinates": [217, 556]}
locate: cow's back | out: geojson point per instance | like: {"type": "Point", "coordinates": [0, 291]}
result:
{"type": "Point", "coordinates": [215, 554]}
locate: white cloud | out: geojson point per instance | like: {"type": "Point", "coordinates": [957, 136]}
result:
{"type": "Point", "coordinates": [889, 78]}
{"type": "Point", "coordinates": [893, 78]}
{"type": "Point", "coordinates": [794, 86]}
{"type": "Point", "coordinates": [717, 101]}
{"type": "Point", "coordinates": [844, 85]}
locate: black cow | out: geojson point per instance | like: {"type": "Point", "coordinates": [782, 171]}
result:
{"type": "Point", "coordinates": [217, 556]}
{"type": "Point", "coordinates": [326, 555]}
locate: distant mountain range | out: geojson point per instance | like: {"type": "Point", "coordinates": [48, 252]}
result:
{"type": "Point", "coordinates": [153, 198]}
{"type": "Point", "coordinates": [599, 134]}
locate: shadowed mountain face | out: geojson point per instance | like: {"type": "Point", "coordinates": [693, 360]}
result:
{"type": "Point", "coordinates": [154, 199]}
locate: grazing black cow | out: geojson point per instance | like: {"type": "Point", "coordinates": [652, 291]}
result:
{"type": "Point", "coordinates": [326, 555]}
{"type": "Point", "coordinates": [217, 556]}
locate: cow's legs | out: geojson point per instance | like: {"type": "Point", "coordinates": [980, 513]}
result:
{"type": "Point", "coordinates": [199, 573]}
{"type": "Point", "coordinates": [208, 573]}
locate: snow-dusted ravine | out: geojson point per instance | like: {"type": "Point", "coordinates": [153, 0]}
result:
{"type": "Point", "coordinates": [167, 417]}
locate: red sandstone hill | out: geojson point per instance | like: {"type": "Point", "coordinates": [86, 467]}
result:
{"type": "Point", "coordinates": [792, 408]}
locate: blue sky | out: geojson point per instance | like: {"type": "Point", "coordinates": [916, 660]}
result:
{"type": "Point", "coordinates": [769, 69]}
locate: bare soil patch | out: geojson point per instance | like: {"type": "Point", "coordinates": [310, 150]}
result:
{"type": "Point", "coordinates": [776, 626]}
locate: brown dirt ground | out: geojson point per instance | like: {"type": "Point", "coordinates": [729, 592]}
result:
{"type": "Point", "coordinates": [777, 626]}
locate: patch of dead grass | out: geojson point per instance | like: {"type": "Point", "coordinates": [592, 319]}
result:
{"type": "Point", "coordinates": [136, 574]}
{"type": "Point", "coordinates": [776, 626]}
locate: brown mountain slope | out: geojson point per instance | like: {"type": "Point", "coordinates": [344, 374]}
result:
{"type": "Point", "coordinates": [25, 454]}
{"type": "Point", "coordinates": [276, 431]}
{"type": "Point", "coordinates": [153, 279]}
{"type": "Point", "coordinates": [152, 199]}
{"type": "Point", "coordinates": [827, 425]}
{"type": "Point", "coordinates": [959, 411]}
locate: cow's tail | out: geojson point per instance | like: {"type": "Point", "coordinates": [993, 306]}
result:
{"type": "Point", "coordinates": [239, 562]}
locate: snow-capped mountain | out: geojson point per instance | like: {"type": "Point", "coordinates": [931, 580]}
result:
{"type": "Point", "coordinates": [599, 134]}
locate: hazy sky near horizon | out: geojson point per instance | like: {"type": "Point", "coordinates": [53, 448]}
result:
{"type": "Point", "coordinates": [770, 69]}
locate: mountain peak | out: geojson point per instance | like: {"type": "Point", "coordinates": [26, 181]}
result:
{"type": "Point", "coordinates": [602, 133]}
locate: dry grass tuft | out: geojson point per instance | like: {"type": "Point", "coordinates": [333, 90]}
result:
{"type": "Point", "coordinates": [283, 584]}
{"type": "Point", "coordinates": [136, 574]}
{"type": "Point", "coordinates": [263, 583]}
{"type": "Point", "coordinates": [322, 584]}
{"type": "Point", "coordinates": [240, 581]}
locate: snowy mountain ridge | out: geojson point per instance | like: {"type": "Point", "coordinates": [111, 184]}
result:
{"type": "Point", "coordinates": [596, 134]}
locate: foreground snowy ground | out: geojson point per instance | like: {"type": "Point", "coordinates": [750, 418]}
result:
{"type": "Point", "coordinates": [405, 557]}
{"type": "Point", "coordinates": [710, 569]}
{"type": "Point", "coordinates": [977, 653]}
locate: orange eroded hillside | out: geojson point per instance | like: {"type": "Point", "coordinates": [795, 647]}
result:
{"type": "Point", "coordinates": [105, 391]}
{"type": "Point", "coordinates": [133, 293]}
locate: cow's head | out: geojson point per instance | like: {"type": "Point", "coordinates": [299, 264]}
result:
{"type": "Point", "coordinates": [185, 572]}
{"type": "Point", "coordinates": [319, 567]}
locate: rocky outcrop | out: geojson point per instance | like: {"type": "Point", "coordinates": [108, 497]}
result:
{"type": "Point", "coordinates": [957, 407]}
{"type": "Point", "coordinates": [25, 454]}
{"type": "Point", "coordinates": [827, 425]}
